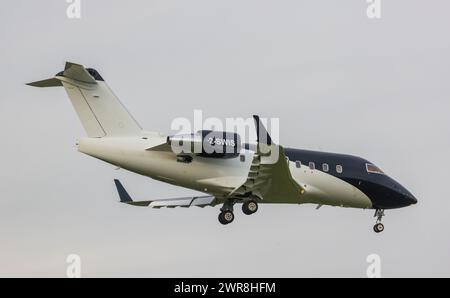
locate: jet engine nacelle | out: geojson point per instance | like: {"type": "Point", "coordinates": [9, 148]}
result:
{"type": "Point", "coordinates": [207, 143]}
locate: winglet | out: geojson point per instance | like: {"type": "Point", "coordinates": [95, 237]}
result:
{"type": "Point", "coordinates": [123, 194]}
{"type": "Point", "coordinates": [261, 132]}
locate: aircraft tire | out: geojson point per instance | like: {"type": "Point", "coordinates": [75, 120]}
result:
{"type": "Point", "coordinates": [226, 217]}
{"type": "Point", "coordinates": [249, 207]}
{"type": "Point", "coordinates": [378, 228]}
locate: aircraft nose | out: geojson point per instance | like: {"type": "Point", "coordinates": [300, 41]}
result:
{"type": "Point", "coordinates": [413, 200]}
{"type": "Point", "coordinates": [406, 196]}
{"type": "Point", "coordinates": [392, 195]}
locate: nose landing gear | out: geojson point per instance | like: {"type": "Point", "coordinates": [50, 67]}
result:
{"type": "Point", "coordinates": [379, 227]}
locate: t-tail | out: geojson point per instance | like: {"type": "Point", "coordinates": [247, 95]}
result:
{"type": "Point", "coordinates": [99, 110]}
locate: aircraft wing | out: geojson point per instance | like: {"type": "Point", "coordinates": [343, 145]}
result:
{"type": "Point", "coordinates": [201, 201]}
{"type": "Point", "coordinates": [269, 177]}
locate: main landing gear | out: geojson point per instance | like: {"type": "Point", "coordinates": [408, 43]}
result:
{"type": "Point", "coordinates": [226, 215]}
{"type": "Point", "coordinates": [250, 207]}
{"type": "Point", "coordinates": [379, 227]}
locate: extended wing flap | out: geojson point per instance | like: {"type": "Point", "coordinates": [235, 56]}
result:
{"type": "Point", "coordinates": [171, 203]}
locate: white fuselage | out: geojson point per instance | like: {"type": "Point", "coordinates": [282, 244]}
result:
{"type": "Point", "coordinates": [217, 177]}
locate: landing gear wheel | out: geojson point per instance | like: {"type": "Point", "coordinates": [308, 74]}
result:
{"type": "Point", "coordinates": [226, 217]}
{"type": "Point", "coordinates": [378, 228]}
{"type": "Point", "coordinates": [221, 219]}
{"type": "Point", "coordinates": [249, 207]}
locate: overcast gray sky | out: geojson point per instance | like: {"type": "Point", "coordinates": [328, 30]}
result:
{"type": "Point", "coordinates": [337, 80]}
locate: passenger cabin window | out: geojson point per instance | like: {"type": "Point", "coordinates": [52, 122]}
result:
{"type": "Point", "coordinates": [298, 164]}
{"type": "Point", "coordinates": [339, 169]}
{"type": "Point", "coordinates": [312, 166]}
{"type": "Point", "coordinates": [373, 169]}
{"type": "Point", "coordinates": [325, 167]}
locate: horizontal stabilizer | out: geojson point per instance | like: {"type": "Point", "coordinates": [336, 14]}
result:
{"type": "Point", "coordinates": [78, 72]}
{"type": "Point", "coordinates": [71, 71]}
{"type": "Point", "coordinates": [53, 82]}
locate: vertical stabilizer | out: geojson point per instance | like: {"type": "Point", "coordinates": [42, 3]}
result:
{"type": "Point", "coordinates": [100, 111]}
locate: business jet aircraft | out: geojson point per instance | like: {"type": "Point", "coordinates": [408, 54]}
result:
{"type": "Point", "coordinates": [250, 174]}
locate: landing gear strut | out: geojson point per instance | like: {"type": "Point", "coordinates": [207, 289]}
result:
{"type": "Point", "coordinates": [379, 227]}
{"type": "Point", "coordinates": [226, 215]}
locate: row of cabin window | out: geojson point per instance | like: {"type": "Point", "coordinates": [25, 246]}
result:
{"type": "Point", "coordinates": [325, 166]}
{"type": "Point", "coordinates": [312, 165]}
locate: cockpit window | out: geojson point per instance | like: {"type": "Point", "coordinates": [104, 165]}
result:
{"type": "Point", "coordinates": [373, 169]}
